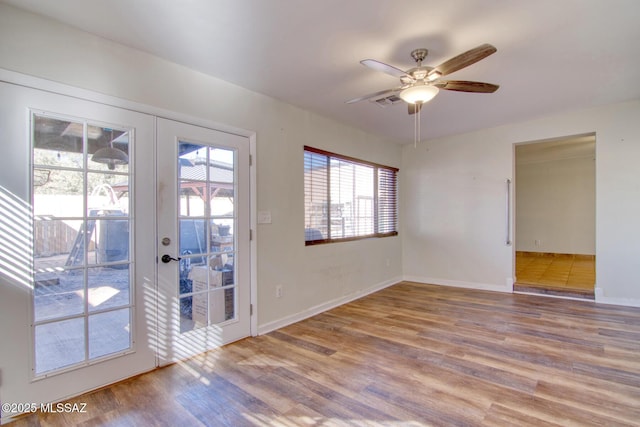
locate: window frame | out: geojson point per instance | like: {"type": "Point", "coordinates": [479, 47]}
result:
{"type": "Point", "coordinates": [389, 216]}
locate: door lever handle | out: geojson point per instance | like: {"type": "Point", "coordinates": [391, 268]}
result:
{"type": "Point", "coordinates": [168, 258]}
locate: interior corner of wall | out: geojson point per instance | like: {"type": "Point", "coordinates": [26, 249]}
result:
{"type": "Point", "coordinates": [598, 293]}
{"type": "Point", "coordinates": [509, 281]}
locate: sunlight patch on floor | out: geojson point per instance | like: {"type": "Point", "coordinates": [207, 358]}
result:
{"type": "Point", "coordinates": [99, 295]}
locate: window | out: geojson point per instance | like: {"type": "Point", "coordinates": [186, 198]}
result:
{"type": "Point", "coordinates": [347, 198]}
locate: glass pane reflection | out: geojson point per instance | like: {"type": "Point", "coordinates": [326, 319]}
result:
{"type": "Point", "coordinates": [108, 149]}
{"type": "Point", "coordinates": [186, 315]}
{"type": "Point", "coordinates": [57, 142]}
{"type": "Point", "coordinates": [108, 287]}
{"type": "Point", "coordinates": [59, 344]}
{"type": "Point", "coordinates": [193, 236]}
{"type": "Point", "coordinates": [60, 195]}
{"type": "Point", "coordinates": [58, 293]}
{"type": "Point", "coordinates": [222, 235]}
{"type": "Point", "coordinates": [109, 333]}
{"type": "Point", "coordinates": [110, 241]}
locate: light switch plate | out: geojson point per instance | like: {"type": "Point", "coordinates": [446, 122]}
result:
{"type": "Point", "coordinates": [264, 217]}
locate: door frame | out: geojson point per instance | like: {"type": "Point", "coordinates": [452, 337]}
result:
{"type": "Point", "coordinates": [514, 205]}
{"type": "Point", "coordinates": [32, 82]}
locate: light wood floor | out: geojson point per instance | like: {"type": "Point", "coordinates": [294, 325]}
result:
{"type": "Point", "coordinates": [556, 274]}
{"type": "Point", "coordinates": [410, 355]}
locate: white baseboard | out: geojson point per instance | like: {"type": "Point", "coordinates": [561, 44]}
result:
{"type": "Point", "coordinates": [320, 308]}
{"type": "Point", "coordinates": [507, 287]}
{"type": "Point", "coordinates": [601, 299]}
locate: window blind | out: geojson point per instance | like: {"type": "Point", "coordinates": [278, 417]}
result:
{"type": "Point", "coordinates": [347, 198]}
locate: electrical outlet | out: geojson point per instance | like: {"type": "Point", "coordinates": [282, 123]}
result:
{"type": "Point", "coordinates": [279, 291]}
{"type": "Point", "coordinates": [536, 242]}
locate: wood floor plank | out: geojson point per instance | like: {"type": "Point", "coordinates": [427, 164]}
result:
{"type": "Point", "coordinates": [607, 403]}
{"type": "Point", "coordinates": [411, 354]}
{"type": "Point", "coordinates": [553, 411]}
{"type": "Point", "coordinates": [302, 343]}
{"type": "Point", "coordinates": [500, 416]}
{"type": "Point", "coordinates": [220, 403]}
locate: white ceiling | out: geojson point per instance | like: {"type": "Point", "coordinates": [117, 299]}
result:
{"type": "Point", "coordinates": [553, 55]}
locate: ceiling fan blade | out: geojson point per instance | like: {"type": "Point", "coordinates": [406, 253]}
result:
{"type": "Point", "coordinates": [464, 59]}
{"type": "Point", "coordinates": [414, 108]}
{"type": "Point", "coordinates": [467, 86]}
{"type": "Point", "coordinates": [374, 95]}
{"type": "Point", "coordinates": [385, 68]}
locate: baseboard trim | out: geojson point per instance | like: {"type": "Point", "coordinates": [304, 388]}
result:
{"type": "Point", "coordinates": [627, 302]}
{"type": "Point", "coordinates": [320, 308]}
{"type": "Point", "coordinates": [508, 287]}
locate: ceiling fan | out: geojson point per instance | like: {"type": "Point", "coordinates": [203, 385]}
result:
{"type": "Point", "coordinates": [421, 83]}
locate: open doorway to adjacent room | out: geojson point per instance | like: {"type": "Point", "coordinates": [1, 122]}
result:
{"type": "Point", "coordinates": [555, 217]}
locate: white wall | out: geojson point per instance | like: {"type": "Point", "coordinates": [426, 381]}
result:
{"type": "Point", "coordinates": [555, 206]}
{"type": "Point", "coordinates": [312, 277]}
{"type": "Point", "coordinates": [454, 198]}
{"type": "Point", "coordinates": [453, 211]}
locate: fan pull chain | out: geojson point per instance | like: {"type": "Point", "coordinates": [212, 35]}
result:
{"type": "Point", "coordinates": [418, 115]}
{"type": "Point", "coordinates": [415, 129]}
{"type": "Point", "coordinates": [416, 124]}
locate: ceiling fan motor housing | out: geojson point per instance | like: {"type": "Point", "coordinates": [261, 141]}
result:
{"type": "Point", "coordinates": [419, 54]}
{"type": "Point", "coordinates": [419, 72]}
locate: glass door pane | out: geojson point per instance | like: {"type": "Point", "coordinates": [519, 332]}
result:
{"type": "Point", "coordinates": [206, 201]}
{"type": "Point", "coordinates": [81, 208]}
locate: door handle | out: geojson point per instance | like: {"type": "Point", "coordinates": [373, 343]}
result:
{"type": "Point", "coordinates": [168, 258]}
{"type": "Point", "coordinates": [508, 213]}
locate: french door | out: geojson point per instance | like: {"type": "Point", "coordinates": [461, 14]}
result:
{"type": "Point", "coordinates": [76, 275]}
{"type": "Point", "coordinates": [93, 199]}
{"type": "Point", "coordinates": [203, 238]}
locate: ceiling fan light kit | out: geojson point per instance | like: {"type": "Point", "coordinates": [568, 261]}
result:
{"type": "Point", "coordinates": [422, 83]}
{"type": "Point", "coordinates": [419, 93]}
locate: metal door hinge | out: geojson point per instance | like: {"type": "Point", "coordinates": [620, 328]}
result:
{"type": "Point", "coordinates": [250, 160]}
{"type": "Point", "coordinates": [250, 309]}
{"type": "Point", "coordinates": [250, 234]}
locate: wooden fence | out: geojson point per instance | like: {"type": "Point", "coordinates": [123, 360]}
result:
{"type": "Point", "coordinates": [53, 237]}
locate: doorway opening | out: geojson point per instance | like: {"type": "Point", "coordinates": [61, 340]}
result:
{"type": "Point", "coordinates": [555, 217]}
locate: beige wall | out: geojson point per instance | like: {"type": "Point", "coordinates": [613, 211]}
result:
{"type": "Point", "coordinates": [555, 206]}
{"type": "Point", "coordinates": [312, 277]}
{"type": "Point", "coordinates": [455, 223]}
